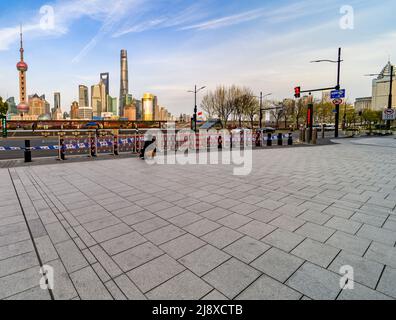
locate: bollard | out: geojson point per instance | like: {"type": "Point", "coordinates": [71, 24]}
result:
{"type": "Point", "coordinates": [307, 138]}
{"type": "Point", "coordinates": [323, 131]}
{"type": "Point", "coordinates": [269, 140]}
{"type": "Point", "coordinates": [28, 151]}
{"type": "Point", "coordinates": [302, 135]}
{"type": "Point", "coordinates": [290, 139]}
{"type": "Point", "coordinates": [62, 149]}
{"type": "Point", "coordinates": [93, 147]}
{"type": "Point", "coordinates": [115, 145]}
{"type": "Point", "coordinates": [280, 139]}
{"type": "Point", "coordinates": [220, 143]}
{"type": "Point", "coordinates": [314, 136]}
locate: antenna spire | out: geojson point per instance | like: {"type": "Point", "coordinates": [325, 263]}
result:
{"type": "Point", "coordinates": [21, 35]}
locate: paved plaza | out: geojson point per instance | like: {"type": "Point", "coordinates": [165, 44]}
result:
{"type": "Point", "coordinates": [121, 229]}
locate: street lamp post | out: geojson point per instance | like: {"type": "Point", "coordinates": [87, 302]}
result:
{"type": "Point", "coordinates": [338, 87]}
{"type": "Point", "coordinates": [195, 105]}
{"type": "Point", "coordinates": [261, 107]}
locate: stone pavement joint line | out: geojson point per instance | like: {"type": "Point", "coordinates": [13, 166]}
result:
{"type": "Point", "coordinates": [121, 229]}
{"type": "Point", "coordinates": [30, 231]}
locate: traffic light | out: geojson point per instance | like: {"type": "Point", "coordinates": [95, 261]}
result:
{"type": "Point", "coordinates": [4, 126]}
{"type": "Point", "coordinates": [297, 92]}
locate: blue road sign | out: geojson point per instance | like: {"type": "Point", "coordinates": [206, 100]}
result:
{"type": "Point", "coordinates": [338, 94]}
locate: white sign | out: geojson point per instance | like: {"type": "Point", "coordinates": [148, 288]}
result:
{"type": "Point", "coordinates": [389, 114]}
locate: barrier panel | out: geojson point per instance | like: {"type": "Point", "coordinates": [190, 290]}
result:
{"type": "Point", "coordinates": [90, 144]}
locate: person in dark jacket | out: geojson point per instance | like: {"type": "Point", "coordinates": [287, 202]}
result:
{"type": "Point", "coordinates": [148, 143]}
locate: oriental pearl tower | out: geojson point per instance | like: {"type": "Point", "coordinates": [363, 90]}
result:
{"type": "Point", "coordinates": [22, 67]}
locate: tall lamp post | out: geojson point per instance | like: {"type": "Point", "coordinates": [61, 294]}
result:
{"type": "Point", "coordinates": [261, 106]}
{"type": "Point", "coordinates": [388, 123]}
{"type": "Point", "coordinates": [338, 87]}
{"type": "Point", "coordinates": [195, 105]}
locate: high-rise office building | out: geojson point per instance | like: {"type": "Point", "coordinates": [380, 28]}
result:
{"type": "Point", "coordinates": [138, 105]}
{"type": "Point", "coordinates": [38, 106]}
{"type": "Point", "coordinates": [130, 112]}
{"type": "Point", "coordinates": [57, 100]}
{"type": "Point", "coordinates": [85, 113]}
{"type": "Point", "coordinates": [148, 107]}
{"type": "Point", "coordinates": [22, 67]}
{"type": "Point", "coordinates": [74, 111]}
{"type": "Point", "coordinates": [381, 88]}
{"type": "Point", "coordinates": [124, 84]}
{"type": "Point", "coordinates": [112, 105]}
{"type": "Point", "coordinates": [98, 99]}
{"type": "Point", "coordinates": [12, 108]}
{"type": "Point", "coordinates": [105, 78]}
{"type": "Point", "coordinates": [83, 96]}
{"type": "Point", "coordinates": [57, 111]}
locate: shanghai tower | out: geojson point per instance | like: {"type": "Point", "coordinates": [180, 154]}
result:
{"type": "Point", "coordinates": [124, 90]}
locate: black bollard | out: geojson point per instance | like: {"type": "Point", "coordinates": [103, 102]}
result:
{"type": "Point", "coordinates": [220, 143]}
{"type": "Point", "coordinates": [280, 139]}
{"type": "Point", "coordinates": [62, 149]}
{"type": "Point", "coordinates": [28, 151]}
{"type": "Point", "coordinates": [269, 140]}
{"type": "Point", "coordinates": [115, 145]}
{"type": "Point", "coordinates": [93, 146]}
{"type": "Point", "coordinates": [290, 140]}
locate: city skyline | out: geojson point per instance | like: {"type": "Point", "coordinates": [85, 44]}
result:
{"type": "Point", "coordinates": [188, 47]}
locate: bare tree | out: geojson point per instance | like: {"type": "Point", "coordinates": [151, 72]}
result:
{"type": "Point", "coordinates": [288, 110]}
{"type": "Point", "coordinates": [299, 112]}
{"type": "Point", "coordinates": [277, 112]}
{"type": "Point", "coordinates": [250, 105]}
{"type": "Point", "coordinates": [208, 105]}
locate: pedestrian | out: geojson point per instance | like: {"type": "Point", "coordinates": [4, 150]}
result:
{"type": "Point", "coordinates": [147, 143]}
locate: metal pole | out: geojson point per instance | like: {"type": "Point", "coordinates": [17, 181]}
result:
{"type": "Point", "coordinates": [388, 124]}
{"type": "Point", "coordinates": [337, 118]}
{"type": "Point", "coordinates": [261, 110]}
{"type": "Point", "coordinates": [195, 109]}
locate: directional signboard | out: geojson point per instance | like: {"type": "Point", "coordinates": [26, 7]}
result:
{"type": "Point", "coordinates": [337, 94]}
{"type": "Point", "coordinates": [389, 114]}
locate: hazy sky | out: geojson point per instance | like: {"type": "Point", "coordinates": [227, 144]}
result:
{"type": "Point", "coordinates": [174, 44]}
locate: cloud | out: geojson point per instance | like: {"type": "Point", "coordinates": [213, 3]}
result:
{"type": "Point", "coordinates": [67, 12]}
{"type": "Point", "coordinates": [169, 19]}
{"type": "Point", "coordinates": [227, 21]}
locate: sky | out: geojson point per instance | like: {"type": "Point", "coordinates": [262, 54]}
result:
{"type": "Point", "coordinates": [175, 44]}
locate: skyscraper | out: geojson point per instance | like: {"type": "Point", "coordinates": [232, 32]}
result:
{"type": "Point", "coordinates": [74, 113]}
{"type": "Point", "coordinates": [22, 67]}
{"type": "Point", "coordinates": [57, 110]}
{"type": "Point", "coordinates": [381, 88]}
{"type": "Point", "coordinates": [12, 108]}
{"type": "Point", "coordinates": [83, 96]}
{"type": "Point", "coordinates": [124, 85]}
{"type": "Point", "coordinates": [105, 78]}
{"type": "Point", "coordinates": [148, 107]}
{"type": "Point", "coordinates": [112, 105]}
{"type": "Point", "coordinates": [57, 100]}
{"type": "Point", "coordinates": [98, 99]}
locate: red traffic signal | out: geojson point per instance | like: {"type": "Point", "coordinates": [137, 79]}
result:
{"type": "Point", "coordinates": [297, 92]}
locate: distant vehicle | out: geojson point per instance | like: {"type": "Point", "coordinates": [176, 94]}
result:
{"type": "Point", "coordinates": [92, 125]}
{"type": "Point", "coordinates": [328, 127]}
{"type": "Point", "coordinates": [266, 130]}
